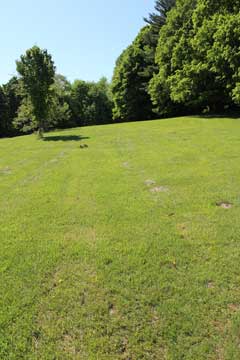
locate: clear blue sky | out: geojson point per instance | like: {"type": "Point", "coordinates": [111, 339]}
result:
{"type": "Point", "coordinates": [84, 37]}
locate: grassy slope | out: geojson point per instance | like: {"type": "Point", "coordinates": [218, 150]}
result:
{"type": "Point", "coordinates": [95, 266]}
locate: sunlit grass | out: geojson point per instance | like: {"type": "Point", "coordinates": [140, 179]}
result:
{"type": "Point", "coordinates": [119, 250]}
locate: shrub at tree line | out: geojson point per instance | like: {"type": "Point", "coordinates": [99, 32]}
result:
{"type": "Point", "coordinates": [185, 60]}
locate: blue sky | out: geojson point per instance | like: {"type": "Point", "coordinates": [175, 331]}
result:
{"type": "Point", "coordinates": [84, 37]}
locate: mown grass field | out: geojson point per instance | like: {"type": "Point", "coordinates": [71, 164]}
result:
{"type": "Point", "coordinates": [118, 250]}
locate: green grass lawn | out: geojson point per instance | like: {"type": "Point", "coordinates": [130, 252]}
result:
{"type": "Point", "coordinates": [118, 250]}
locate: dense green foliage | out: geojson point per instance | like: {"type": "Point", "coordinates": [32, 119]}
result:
{"type": "Point", "coordinates": [91, 102]}
{"type": "Point", "coordinates": [60, 112]}
{"type": "Point", "coordinates": [97, 265]}
{"type": "Point", "coordinates": [193, 64]}
{"type": "Point", "coordinates": [3, 113]}
{"type": "Point", "coordinates": [135, 68]}
{"type": "Point", "coordinates": [37, 71]}
{"type": "Point", "coordinates": [133, 71]}
{"type": "Point", "coordinates": [10, 100]}
{"type": "Point", "coordinates": [198, 57]}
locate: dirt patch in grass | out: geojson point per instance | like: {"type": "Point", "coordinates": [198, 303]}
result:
{"type": "Point", "coordinates": [220, 353]}
{"type": "Point", "coordinates": [210, 285]}
{"type": "Point", "coordinates": [52, 161]}
{"type": "Point", "coordinates": [220, 326]}
{"type": "Point", "coordinates": [6, 171]}
{"type": "Point", "coordinates": [112, 310]}
{"type": "Point", "coordinates": [149, 182]}
{"type": "Point", "coordinates": [68, 345]}
{"type": "Point", "coordinates": [159, 189]}
{"type": "Point", "coordinates": [126, 165]}
{"type": "Point", "coordinates": [224, 205]}
{"type": "Point", "coordinates": [234, 307]}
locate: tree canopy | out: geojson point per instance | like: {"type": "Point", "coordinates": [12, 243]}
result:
{"type": "Point", "coordinates": [37, 71]}
{"type": "Point", "coordinates": [91, 102]}
{"type": "Point", "coordinates": [135, 68]}
{"type": "Point", "coordinates": [198, 57]}
{"type": "Point", "coordinates": [132, 73]}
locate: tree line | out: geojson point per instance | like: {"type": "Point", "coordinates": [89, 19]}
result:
{"type": "Point", "coordinates": [39, 99]}
{"type": "Point", "coordinates": [185, 60]}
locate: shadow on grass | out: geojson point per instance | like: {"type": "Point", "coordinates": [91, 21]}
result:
{"type": "Point", "coordinates": [218, 116]}
{"type": "Point", "coordinates": [65, 138]}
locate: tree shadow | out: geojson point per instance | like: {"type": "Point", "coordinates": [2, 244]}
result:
{"type": "Point", "coordinates": [218, 116]}
{"type": "Point", "coordinates": [65, 138]}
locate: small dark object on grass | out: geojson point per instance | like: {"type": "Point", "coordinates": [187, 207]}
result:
{"type": "Point", "coordinates": [83, 146]}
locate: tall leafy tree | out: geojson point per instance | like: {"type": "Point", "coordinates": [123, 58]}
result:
{"type": "Point", "coordinates": [37, 71]}
{"type": "Point", "coordinates": [169, 58]}
{"type": "Point", "coordinates": [132, 73]}
{"type": "Point", "coordinates": [198, 57]}
{"type": "Point", "coordinates": [135, 68]}
{"type": "Point", "coordinates": [59, 113]}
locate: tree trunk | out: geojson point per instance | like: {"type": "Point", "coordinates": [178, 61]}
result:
{"type": "Point", "coordinates": [40, 133]}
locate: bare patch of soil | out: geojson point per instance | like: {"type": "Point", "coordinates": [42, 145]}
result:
{"type": "Point", "coordinates": [234, 307]}
{"type": "Point", "coordinates": [126, 165]}
{"type": "Point", "coordinates": [224, 205]}
{"type": "Point", "coordinates": [149, 182]}
{"type": "Point", "coordinates": [112, 310]}
{"type": "Point", "coordinates": [210, 285]}
{"type": "Point", "coordinates": [68, 344]}
{"type": "Point", "coordinates": [159, 189]}
{"type": "Point", "coordinates": [6, 171]}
